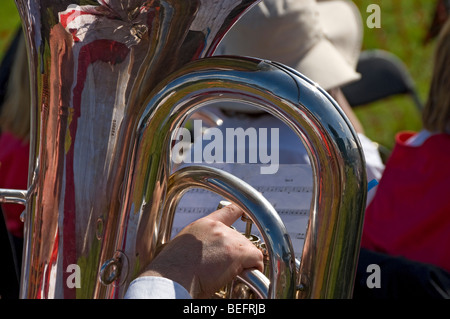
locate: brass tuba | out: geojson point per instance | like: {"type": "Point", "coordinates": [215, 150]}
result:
{"type": "Point", "coordinates": [111, 82]}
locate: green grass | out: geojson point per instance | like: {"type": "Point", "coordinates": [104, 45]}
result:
{"type": "Point", "coordinates": [404, 24]}
{"type": "Point", "coordinates": [9, 22]}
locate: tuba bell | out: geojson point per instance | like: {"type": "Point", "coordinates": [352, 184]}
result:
{"type": "Point", "coordinates": [111, 83]}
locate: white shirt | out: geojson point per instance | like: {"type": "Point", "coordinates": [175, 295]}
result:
{"type": "Point", "coordinates": [149, 287]}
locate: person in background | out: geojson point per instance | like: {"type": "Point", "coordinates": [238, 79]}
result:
{"type": "Point", "coordinates": [407, 224]}
{"type": "Point", "coordinates": [14, 142]}
{"type": "Point", "coordinates": [410, 213]}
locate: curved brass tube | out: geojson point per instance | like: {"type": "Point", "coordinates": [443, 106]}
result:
{"type": "Point", "coordinates": [332, 241]}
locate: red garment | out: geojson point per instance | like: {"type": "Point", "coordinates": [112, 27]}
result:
{"type": "Point", "coordinates": [410, 213]}
{"type": "Point", "coordinates": [13, 175]}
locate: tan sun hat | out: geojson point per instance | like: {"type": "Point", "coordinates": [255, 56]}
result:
{"type": "Point", "coordinates": [321, 40]}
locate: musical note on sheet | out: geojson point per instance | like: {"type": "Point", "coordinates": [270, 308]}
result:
{"type": "Point", "coordinates": [289, 191]}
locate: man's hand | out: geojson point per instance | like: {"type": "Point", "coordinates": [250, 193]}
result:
{"type": "Point", "coordinates": [207, 254]}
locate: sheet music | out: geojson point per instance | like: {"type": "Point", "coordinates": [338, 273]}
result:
{"type": "Point", "coordinates": [289, 191]}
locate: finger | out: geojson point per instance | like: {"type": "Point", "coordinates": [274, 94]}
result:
{"type": "Point", "coordinates": [227, 215]}
{"type": "Point", "coordinates": [253, 259]}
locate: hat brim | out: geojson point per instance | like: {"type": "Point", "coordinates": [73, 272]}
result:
{"type": "Point", "coordinates": [325, 66]}
{"type": "Point", "coordinates": [342, 25]}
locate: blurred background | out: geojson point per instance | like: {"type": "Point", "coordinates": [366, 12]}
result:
{"type": "Point", "coordinates": [404, 27]}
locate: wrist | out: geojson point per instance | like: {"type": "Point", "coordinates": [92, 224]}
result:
{"type": "Point", "coordinates": [183, 279]}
